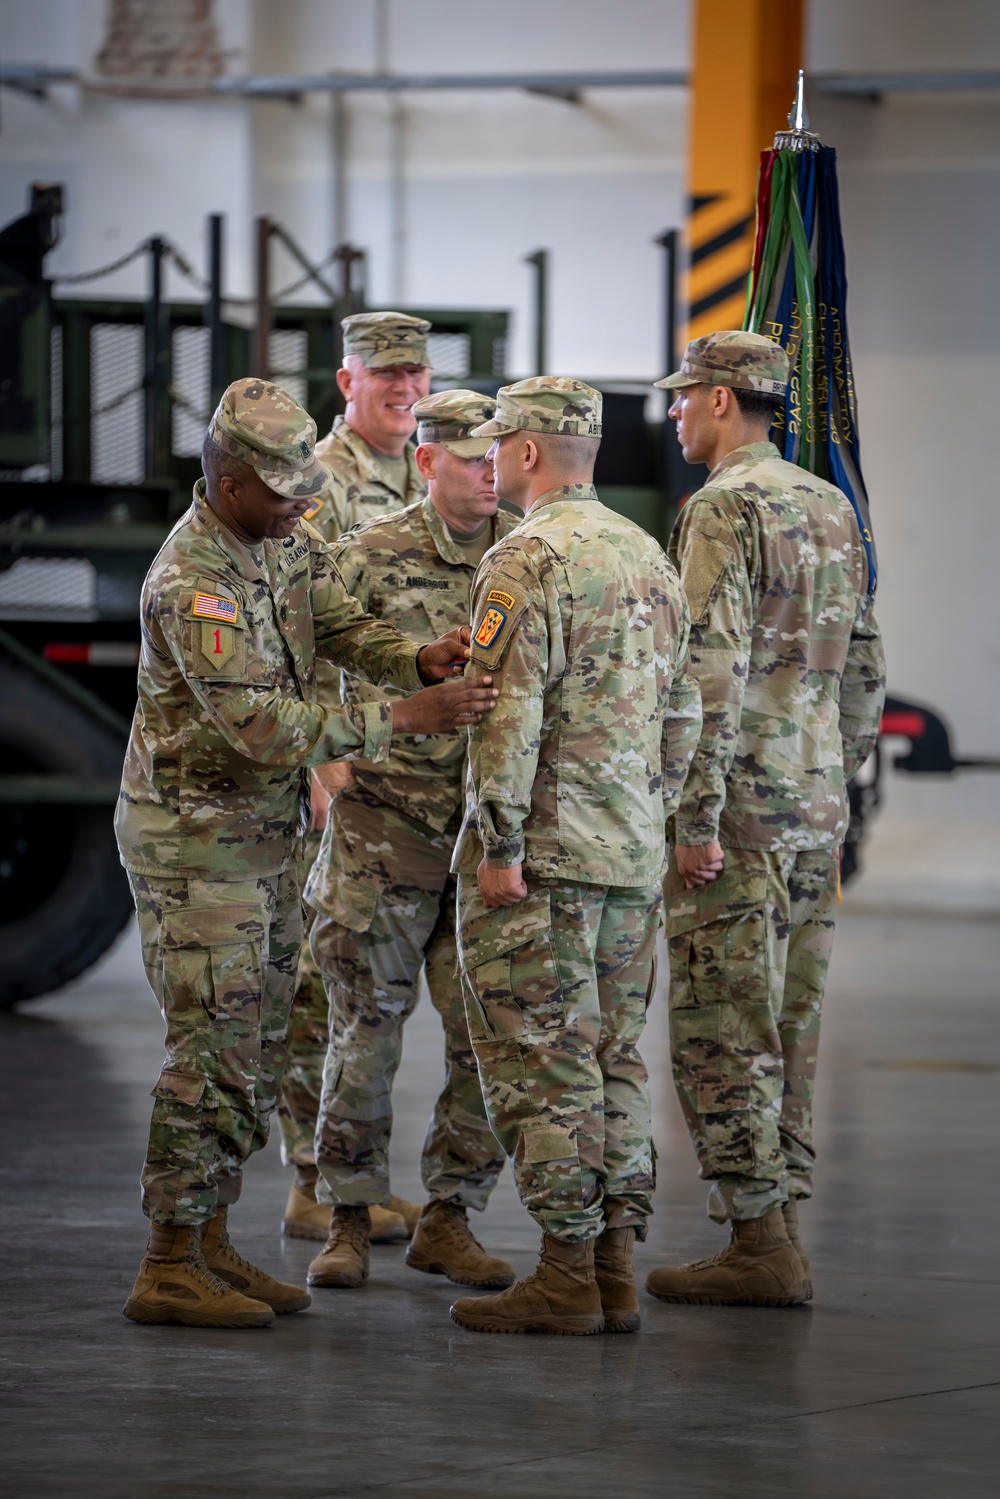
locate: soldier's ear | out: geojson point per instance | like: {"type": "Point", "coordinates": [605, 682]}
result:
{"type": "Point", "coordinates": [424, 457]}
{"type": "Point", "coordinates": [530, 455]}
{"type": "Point", "coordinates": [344, 383]}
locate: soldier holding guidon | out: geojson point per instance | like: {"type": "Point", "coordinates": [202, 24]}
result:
{"type": "Point", "coordinates": [241, 598]}
{"type": "Point", "coordinates": [788, 655]}
{"type": "Point", "coordinates": [579, 618]}
{"type": "Point", "coordinates": [382, 890]}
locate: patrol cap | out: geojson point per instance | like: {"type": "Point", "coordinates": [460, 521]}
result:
{"type": "Point", "coordinates": [546, 403]}
{"type": "Point", "coordinates": [262, 425]}
{"type": "Point", "coordinates": [383, 339]}
{"type": "Point", "coordinates": [449, 417]}
{"type": "Point", "coordinates": [746, 361]}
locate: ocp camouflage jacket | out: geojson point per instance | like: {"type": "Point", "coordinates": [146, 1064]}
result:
{"type": "Point", "coordinates": [360, 489]}
{"type": "Point", "coordinates": [786, 649]}
{"type": "Point", "coordinates": [580, 618]}
{"type": "Point", "coordinates": [407, 570]}
{"type": "Point", "coordinates": [227, 717]}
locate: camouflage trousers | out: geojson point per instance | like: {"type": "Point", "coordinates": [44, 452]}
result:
{"type": "Point", "coordinates": [390, 912]}
{"type": "Point", "coordinates": [556, 991]}
{"type": "Point", "coordinates": [749, 956]}
{"type": "Point", "coordinates": [308, 1038]}
{"type": "Point", "coordinates": [220, 957]}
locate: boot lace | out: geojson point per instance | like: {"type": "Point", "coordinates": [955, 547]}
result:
{"type": "Point", "coordinates": [453, 1225]}
{"type": "Point", "coordinates": [205, 1276]}
{"type": "Point", "coordinates": [352, 1233]}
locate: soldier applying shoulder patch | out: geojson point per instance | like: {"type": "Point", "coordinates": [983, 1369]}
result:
{"type": "Point", "coordinates": [788, 656]}
{"type": "Point", "coordinates": [579, 618]}
{"type": "Point", "coordinates": [238, 602]}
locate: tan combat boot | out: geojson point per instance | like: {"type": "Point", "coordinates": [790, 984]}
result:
{"type": "Point", "coordinates": [305, 1218]}
{"type": "Point", "coordinates": [560, 1297]}
{"type": "Point", "coordinates": [790, 1212]}
{"type": "Point", "coordinates": [230, 1266]}
{"type": "Point", "coordinates": [616, 1279]}
{"type": "Point", "coordinates": [759, 1267]}
{"type": "Point", "coordinates": [444, 1244]}
{"type": "Point", "coordinates": [344, 1260]}
{"type": "Point", "coordinates": [175, 1285]}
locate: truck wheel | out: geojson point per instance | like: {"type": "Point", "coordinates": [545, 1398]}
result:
{"type": "Point", "coordinates": [63, 893]}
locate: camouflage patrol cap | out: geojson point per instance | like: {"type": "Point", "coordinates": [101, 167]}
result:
{"type": "Point", "coordinates": [262, 425]}
{"type": "Point", "coordinates": [546, 403]}
{"type": "Point", "coordinates": [746, 361]}
{"type": "Point", "coordinates": [449, 417]}
{"type": "Point", "coordinates": [383, 339]}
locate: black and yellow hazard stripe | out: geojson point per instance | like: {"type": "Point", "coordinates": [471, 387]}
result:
{"type": "Point", "coordinates": [720, 253]}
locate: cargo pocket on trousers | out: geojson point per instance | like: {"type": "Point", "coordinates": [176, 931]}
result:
{"type": "Point", "coordinates": [339, 940]}
{"type": "Point", "coordinates": [507, 998]}
{"type": "Point", "coordinates": [179, 1087]}
{"type": "Point", "coordinates": [226, 942]}
{"type": "Point", "coordinates": [548, 1168]}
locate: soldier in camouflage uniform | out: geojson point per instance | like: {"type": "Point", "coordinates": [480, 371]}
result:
{"type": "Point", "coordinates": [787, 652]}
{"type": "Point", "coordinates": [373, 473]}
{"type": "Point", "coordinates": [383, 892]}
{"type": "Point", "coordinates": [369, 452]}
{"type": "Point", "coordinates": [579, 616]}
{"type": "Point", "coordinates": [237, 603]}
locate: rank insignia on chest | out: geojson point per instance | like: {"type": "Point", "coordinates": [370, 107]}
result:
{"type": "Point", "coordinates": [208, 606]}
{"type": "Point", "coordinates": [492, 623]}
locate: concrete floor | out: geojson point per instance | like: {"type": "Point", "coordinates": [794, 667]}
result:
{"type": "Point", "coordinates": [887, 1385]}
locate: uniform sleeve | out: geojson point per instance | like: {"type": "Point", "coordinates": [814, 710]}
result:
{"type": "Point", "coordinates": [713, 567]}
{"type": "Point", "coordinates": [682, 724]}
{"type": "Point", "coordinates": [503, 747]}
{"type": "Point", "coordinates": [351, 638]}
{"type": "Point", "coordinates": [862, 689]}
{"type": "Point", "coordinates": [265, 724]}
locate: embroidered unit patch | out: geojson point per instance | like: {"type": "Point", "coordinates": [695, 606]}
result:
{"type": "Point", "coordinates": [496, 596]}
{"type": "Point", "coordinates": [207, 606]}
{"type": "Point", "coordinates": [492, 623]}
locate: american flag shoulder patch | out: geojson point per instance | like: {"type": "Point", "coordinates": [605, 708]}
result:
{"type": "Point", "coordinates": [209, 606]}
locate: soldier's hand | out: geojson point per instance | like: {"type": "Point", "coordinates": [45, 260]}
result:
{"type": "Point", "coordinates": [320, 804]}
{"type": "Point", "coordinates": [698, 864]}
{"type": "Point", "coordinates": [500, 886]}
{"type": "Point", "coordinates": [445, 657]}
{"type": "Point", "coordinates": [449, 706]}
{"type": "Point", "coordinates": [332, 778]}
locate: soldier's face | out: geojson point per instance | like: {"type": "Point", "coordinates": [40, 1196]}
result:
{"type": "Point", "coordinates": [252, 511]}
{"type": "Point", "coordinates": [461, 488]}
{"type": "Point", "coordinates": [512, 478]}
{"type": "Point", "coordinates": [691, 410]}
{"type": "Point", "coordinates": [380, 402]}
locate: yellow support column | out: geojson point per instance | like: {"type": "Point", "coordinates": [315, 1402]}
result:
{"type": "Point", "coordinates": [747, 54]}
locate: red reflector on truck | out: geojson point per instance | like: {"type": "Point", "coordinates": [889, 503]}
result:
{"type": "Point", "coordinates": [910, 725]}
{"type": "Point", "coordinates": [92, 652]}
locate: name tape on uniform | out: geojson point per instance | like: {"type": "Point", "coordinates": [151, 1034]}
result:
{"type": "Point", "coordinates": [208, 606]}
